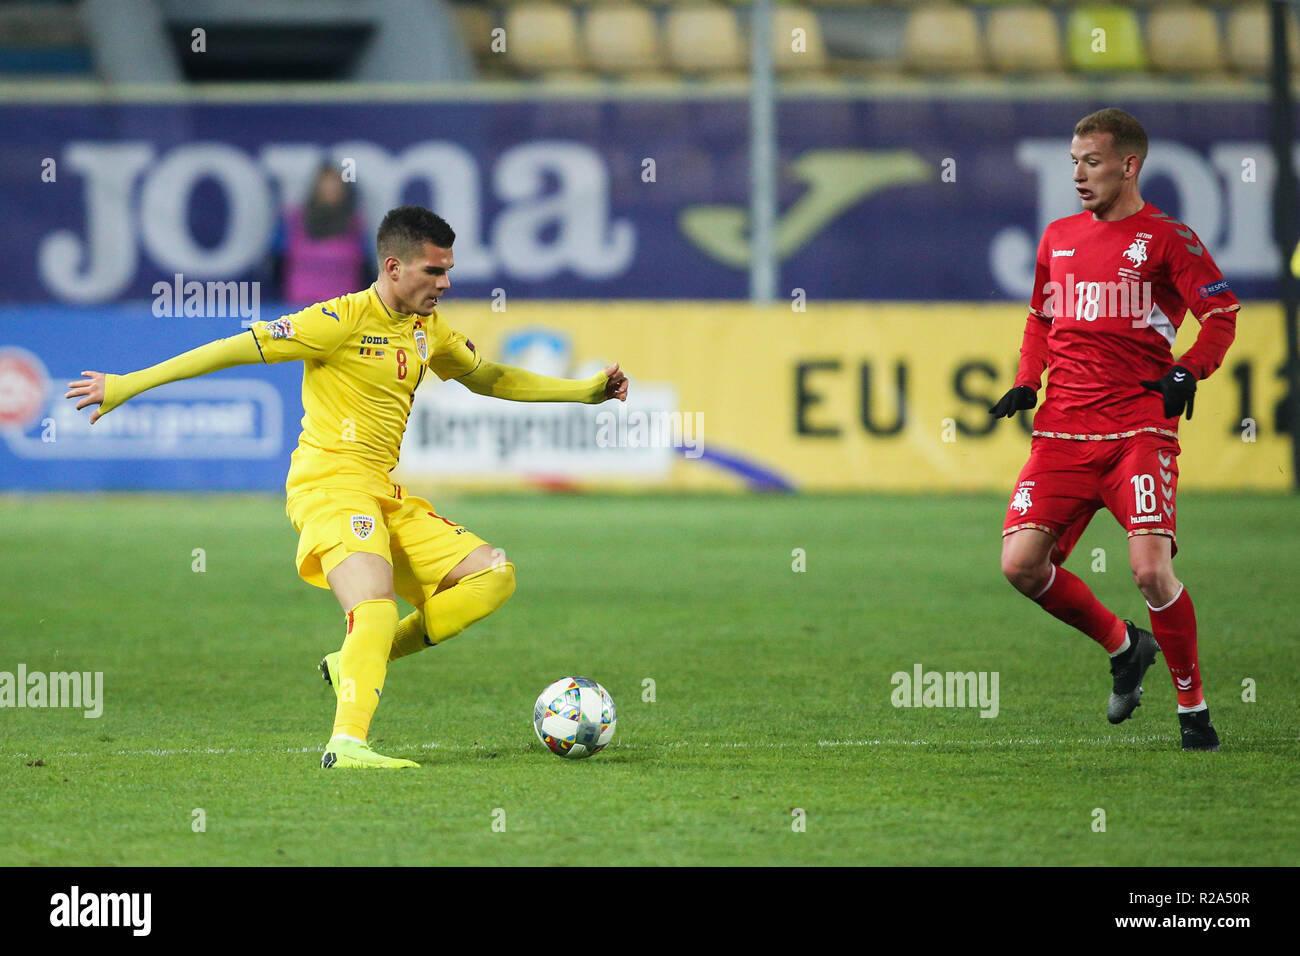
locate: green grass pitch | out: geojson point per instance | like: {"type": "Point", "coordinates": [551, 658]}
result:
{"type": "Point", "coordinates": [771, 692]}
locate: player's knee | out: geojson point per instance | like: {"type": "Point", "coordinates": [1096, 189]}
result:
{"type": "Point", "coordinates": [471, 599]}
{"type": "Point", "coordinates": [480, 559]}
{"type": "Point", "coordinates": [503, 582]}
{"type": "Point", "coordinates": [1154, 580]}
{"type": "Point", "coordinates": [1025, 577]}
{"type": "Point", "coordinates": [1146, 573]}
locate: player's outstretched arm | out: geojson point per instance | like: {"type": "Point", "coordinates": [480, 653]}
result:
{"type": "Point", "coordinates": [519, 385]}
{"type": "Point", "coordinates": [109, 391]}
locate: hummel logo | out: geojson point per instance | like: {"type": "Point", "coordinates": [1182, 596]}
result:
{"type": "Point", "coordinates": [1179, 376]}
{"type": "Point", "coordinates": [1062, 252]}
{"type": "Point", "coordinates": [1184, 683]}
{"type": "Point", "coordinates": [1164, 459]}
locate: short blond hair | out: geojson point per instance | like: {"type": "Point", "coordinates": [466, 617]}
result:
{"type": "Point", "coordinates": [1127, 133]}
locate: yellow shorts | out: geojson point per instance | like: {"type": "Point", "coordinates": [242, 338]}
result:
{"type": "Point", "coordinates": [421, 545]}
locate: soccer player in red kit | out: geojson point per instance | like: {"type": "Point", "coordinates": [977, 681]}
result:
{"type": "Point", "coordinates": [1112, 287]}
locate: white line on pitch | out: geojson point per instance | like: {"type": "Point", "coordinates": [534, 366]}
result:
{"type": "Point", "coordinates": [632, 745]}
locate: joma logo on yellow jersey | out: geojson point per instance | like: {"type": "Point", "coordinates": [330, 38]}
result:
{"type": "Point", "coordinates": [374, 340]}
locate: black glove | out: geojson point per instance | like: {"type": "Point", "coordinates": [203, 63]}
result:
{"type": "Point", "coordinates": [1178, 388]}
{"type": "Point", "coordinates": [1017, 399]}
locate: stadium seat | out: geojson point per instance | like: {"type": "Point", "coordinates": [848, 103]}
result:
{"type": "Point", "coordinates": [476, 25]}
{"type": "Point", "coordinates": [703, 39]}
{"type": "Point", "coordinates": [1120, 38]}
{"type": "Point", "coordinates": [1249, 45]}
{"type": "Point", "coordinates": [1024, 39]}
{"type": "Point", "coordinates": [541, 37]}
{"type": "Point", "coordinates": [1184, 40]}
{"type": "Point", "coordinates": [942, 38]}
{"type": "Point", "coordinates": [812, 58]}
{"type": "Point", "coordinates": [621, 39]}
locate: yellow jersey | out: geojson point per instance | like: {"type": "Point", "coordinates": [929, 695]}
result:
{"type": "Point", "coordinates": [362, 363]}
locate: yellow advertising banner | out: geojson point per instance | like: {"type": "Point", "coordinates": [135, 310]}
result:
{"type": "Point", "coordinates": [840, 397]}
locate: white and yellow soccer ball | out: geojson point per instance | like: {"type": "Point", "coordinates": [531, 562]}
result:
{"type": "Point", "coordinates": [574, 717]}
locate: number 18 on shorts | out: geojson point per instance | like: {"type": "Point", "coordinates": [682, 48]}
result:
{"type": "Point", "coordinates": [1066, 481]}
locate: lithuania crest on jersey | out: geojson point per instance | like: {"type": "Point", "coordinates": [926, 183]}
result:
{"type": "Point", "coordinates": [422, 345]}
{"type": "Point", "coordinates": [1136, 253]}
{"type": "Point", "coordinates": [1021, 502]}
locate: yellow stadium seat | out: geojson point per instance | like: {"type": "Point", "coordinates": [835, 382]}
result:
{"type": "Point", "coordinates": [1024, 39]}
{"type": "Point", "coordinates": [621, 38]}
{"type": "Point", "coordinates": [1105, 38]}
{"type": "Point", "coordinates": [797, 52]}
{"type": "Point", "coordinates": [942, 38]}
{"type": "Point", "coordinates": [542, 37]}
{"type": "Point", "coordinates": [704, 38]}
{"type": "Point", "coordinates": [1184, 40]}
{"type": "Point", "coordinates": [1249, 41]}
{"type": "Point", "coordinates": [475, 28]}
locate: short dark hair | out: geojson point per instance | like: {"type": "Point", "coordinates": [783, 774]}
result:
{"type": "Point", "coordinates": [1128, 135]}
{"type": "Point", "coordinates": [407, 228]}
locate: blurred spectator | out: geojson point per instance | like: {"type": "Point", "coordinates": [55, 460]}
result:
{"type": "Point", "coordinates": [321, 249]}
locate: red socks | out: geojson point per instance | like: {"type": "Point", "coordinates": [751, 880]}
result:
{"type": "Point", "coordinates": [1174, 626]}
{"type": "Point", "coordinates": [1070, 600]}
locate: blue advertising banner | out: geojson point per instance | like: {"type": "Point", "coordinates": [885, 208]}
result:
{"type": "Point", "coordinates": [231, 430]}
{"type": "Point", "coordinates": [891, 198]}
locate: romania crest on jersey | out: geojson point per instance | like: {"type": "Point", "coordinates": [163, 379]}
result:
{"type": "Point", "coordinates": [362, 526]}
{"type": "Point", "coordinates": [281, 328]}
{"type": "Point", "coordinates": [422, 345]}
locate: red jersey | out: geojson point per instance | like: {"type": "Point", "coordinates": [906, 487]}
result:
{"type": "Point", "coordinates": [1108, 300]}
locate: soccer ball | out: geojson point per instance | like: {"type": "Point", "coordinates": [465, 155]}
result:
{"type": "Point", "coordinates": [574, 717]}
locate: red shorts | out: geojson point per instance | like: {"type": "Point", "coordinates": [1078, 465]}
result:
{"type": "Point", "coordinates": [1066, 481]}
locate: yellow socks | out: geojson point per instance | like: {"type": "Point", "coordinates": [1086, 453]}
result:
{"type": "Point", "coordinates": [470, 599]}
{"type": "Point", "coordinates": [409, 637]}
{"type": "Point", "coordinates": [363, 663]}
{"type": "Point", "coordinates": [375, 637]}
{"type": "Point", "coordinates": [449, 612]}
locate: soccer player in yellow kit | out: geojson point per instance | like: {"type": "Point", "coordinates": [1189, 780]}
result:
{"type": "Point", "coordinates": [363, 537]}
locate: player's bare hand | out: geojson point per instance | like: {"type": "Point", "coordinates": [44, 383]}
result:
{"type": "Point", "coordinates": [90, 391]}
{"type": "Point", "coordinates": [616, 387]}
